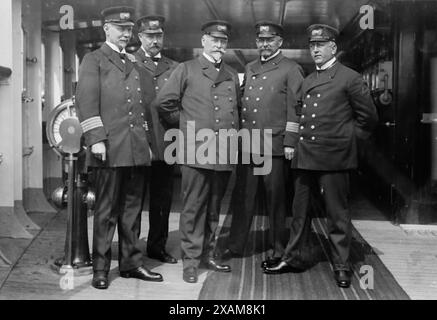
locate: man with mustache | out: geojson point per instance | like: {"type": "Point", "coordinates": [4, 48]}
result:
{"type": "Point", "coordinates": [111, 107]}
{"type": "Point", "coordinates": [203, 92]}
{"type": "Point", "coordinates": [159, 67]}
{"type": "Point", "coordinates": [271, 89]}
{"type": "Point", "coordinates": [337, 112]}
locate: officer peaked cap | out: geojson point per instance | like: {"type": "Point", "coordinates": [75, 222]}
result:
{"type": "Point", "coordinates": [322, 33]}
{"type": "Point", "coordinates": [123, 16]}
{"type": "Point", "coordinates": [217, 28]}
{"type": "Point", "coordinates": [151, 24]}
{"type": "Point", "coordinates": [268, 29]}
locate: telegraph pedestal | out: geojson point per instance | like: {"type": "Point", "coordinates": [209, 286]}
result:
{"type": "Point", "coordinates": [64, 133]}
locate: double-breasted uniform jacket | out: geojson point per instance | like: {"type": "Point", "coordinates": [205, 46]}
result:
{"type": "Point", "coordinates": [336, 111]}
{"type": "Point", "coordinates": [111, 107]}
{"type": "Point", "coordinates": [208, 99]}
{"type": "Point", "coordinates": [270, 98]}
{"type": "Point", "coordinates": [159, 74]}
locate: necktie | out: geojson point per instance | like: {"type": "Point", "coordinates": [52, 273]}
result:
{"type": "Point", "coordinates": [122, 55]}
{"type": "Point", "coordinates": [155, 59]}
{"type": "Point", "coordinates": [217, 65]}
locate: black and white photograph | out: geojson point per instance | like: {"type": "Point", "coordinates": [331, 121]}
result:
{"type": "Point", "coordinates": [217, 156]}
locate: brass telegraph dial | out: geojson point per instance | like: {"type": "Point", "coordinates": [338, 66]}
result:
{"type": "Point", "coordinates": [63, 130]}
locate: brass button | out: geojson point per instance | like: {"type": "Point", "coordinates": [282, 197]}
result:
{"type": "Point", "coordinates": [313, 127]}
{"type": "Point", "coordinates": [131, 125]}
{"type": "Point", "coordinates": [255, 110]}
{"type": "Point", "coordinates": [264, 77]}
{"type": "Point", "coordinates": [318, 95]}
{"type": "Point", "coordinates": [302, 116]}
{"type": "Point", "coordinates": [301, 127]}
{"type": "Point", "coordinates": [244, 109]}
{"type": "Point", "coordinates": [130, 113]}
{"type": "Point", "coordinates": [156, 88]}
{"type": "Point", "coordinates": [247, 98]}
{"type": "Point", "coordinates": [304, 105]}
{"type": "Point", "coordinates": [215, 97]}
{"type": "Point", "coordinates": [257, 99]}
{"type": "Point", "coordinates": [244, 120]}
{"type": "Point", "coordinates": [217, 120]}
{"type": "Point", "coordinates": [315, 104]}
{"type": "Point", "coordinates": [250, 88]}
{"type": "Point", "coordinates": [308, 96]}
{"type": "Point", "coordinates": [127, 88]}
{"type": "Point", "coordinates": [216, 108]}
{"type": "Point", "coordinates": [313, 138]}
{"type": "Point", "coordinates": [260, 88]}
{"type": "Point", "coordinates": [128, 100]}
{"type": "Point", "coordinates": [254, 122]}
{"type": "Point", "coordinates": [301, 138]}
{"type": "Point", "coordinates": [253, 77]}
{"type": "Point", "coordinates": [313, 115]}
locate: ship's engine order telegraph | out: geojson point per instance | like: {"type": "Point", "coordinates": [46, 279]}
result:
{"type": "Point", "coordinates": [64, 134]}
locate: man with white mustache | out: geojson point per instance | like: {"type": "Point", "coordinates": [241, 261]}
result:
{"type": "Point", "coordinates": [204, 91]}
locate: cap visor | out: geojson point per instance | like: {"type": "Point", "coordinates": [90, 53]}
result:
{"type": "Point", "coordinates": [218, 35]}
{"type": "Point", "coordinates": [125, 23]}
{"type": "Point", "coordinates": [153, 31]}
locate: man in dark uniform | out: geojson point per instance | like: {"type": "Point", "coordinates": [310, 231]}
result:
{"type": "Point", "coordinates": [207, 90]}
{"type": "Point", "coordinates": [337, 111]}
{"type": "Point", "coordinates": [111, 108]}
{"type": "Point", "coordinates": [151, 34]}
{"type": "Point", "coordinates": [271, 88]}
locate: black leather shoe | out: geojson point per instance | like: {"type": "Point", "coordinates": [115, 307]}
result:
{"type": "Point", "coordinates": [142, 274]}
{"type": "Point", "coordinates": [190, 275]}
{"type": "Point", "coordinates": [343, 278]}
{"type": "Point", "coordinates": [270, 262]}
{"type": "Point", "coordinates": [163, 257]}
{"type": "Point", "coordinates": [228, 255]}
{"type": "Point", "coordinates": [100, 280]}
{"type": "Point", "coordinates": [213, 265]}
{"type": "Point", "coordinates": [281, 267]}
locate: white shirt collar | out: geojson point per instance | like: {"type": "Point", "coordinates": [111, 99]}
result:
{"type": "Point", "coordinates": [271, 57]}
{"type": "Point", "coordinates": [149, 56]}
{"type": "Point", "coordinates": [327, 64]}
{"type": "Point", "coordinates": [209, 58]}
{"type": "Point", "coordinates": [114, 47]}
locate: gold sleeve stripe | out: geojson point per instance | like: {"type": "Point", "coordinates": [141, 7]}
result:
{"type": "Point", "coordinates": [91, 123]}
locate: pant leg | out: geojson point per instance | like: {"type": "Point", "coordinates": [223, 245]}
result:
{"type": "Point", "coordinates": [129, 221]}
{"type": "Point", "coordinates": [275, 197]}
{"type": "Point", "coordinates": [243, 205]}
{"type": "Point", "coordinates": [301, 221]}
{"type": "Point", "coordinates": [107, 208]}
{"type": "Point", "coordinates": [195, 191]}
{"type": "Point", "coordinates": [336, 195]}
{"type": "Point", "coordinates": [218, 181]}
{"type": "Point", "coordinates": [161, 189]}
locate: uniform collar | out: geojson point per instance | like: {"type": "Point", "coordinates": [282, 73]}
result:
{"type": "Point", "coordinates": [271, 57]}
{"type": "Point", "coordinates": [210, 59]}
{"type": "Point", "coordinates": [114, 47]}
{"type": "Point", "coordinates": [327, 64]}
{"type": "Point", "coordinates": [149, 56]}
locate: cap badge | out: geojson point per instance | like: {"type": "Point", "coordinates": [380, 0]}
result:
{"type": "Point", "coordinates": [124, 15]}
{"type": "Point", "coordinates": [221, 27]}
{"type": "Point", "coordinates": [264, 28]}
{"type": "Point", "coordinates": [154, 23]}
{"type": "Point", "coordinates": [317, 32]}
